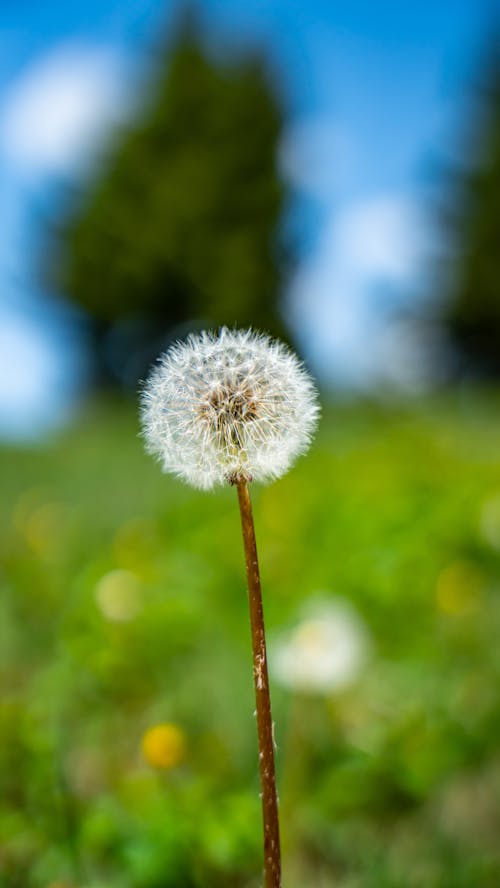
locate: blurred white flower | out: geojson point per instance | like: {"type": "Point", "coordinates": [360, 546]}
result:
{"type": "Point", "coordinates": [325, 652]}
{"type": "Point", "coordinates": [228, 406]}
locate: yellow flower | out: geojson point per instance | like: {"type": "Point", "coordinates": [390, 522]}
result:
{"type": "Point", "coordinates": [164, 746]}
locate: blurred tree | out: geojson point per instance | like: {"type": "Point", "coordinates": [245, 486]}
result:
{"type": "Point", "coordinates": [472, 313]}
{"type": "Point", "coordinates": [179, 227]}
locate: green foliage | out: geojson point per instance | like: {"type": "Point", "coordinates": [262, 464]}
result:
{"type": "Point", "coordinates": [180, 224]}
{"type": "Point", "coordinates": [472, 315]}
{"type": "Point", "coordinates": [395, 781]}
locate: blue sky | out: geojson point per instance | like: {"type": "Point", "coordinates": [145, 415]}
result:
{"type": "Point", "coordinates": [377, 95]}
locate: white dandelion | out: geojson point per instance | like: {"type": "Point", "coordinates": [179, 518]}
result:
{"type": "Point", "coordinates": [232, 407]}
{"type": "Point", "coordinates": [220, 407]}
{"type": "Point", "coordinates": [325, 652]}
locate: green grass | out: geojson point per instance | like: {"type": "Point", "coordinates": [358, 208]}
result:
{"type": "Point", "coordinates": [393, 782]}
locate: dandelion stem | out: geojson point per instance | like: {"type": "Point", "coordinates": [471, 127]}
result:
{"type": "Point", "coordinates": [272, 855]}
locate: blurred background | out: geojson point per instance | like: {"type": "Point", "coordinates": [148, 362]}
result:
{"type": "Point", "coordinates": [328, 172]}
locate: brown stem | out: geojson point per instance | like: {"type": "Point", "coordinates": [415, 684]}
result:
{"type": "Point", "coordinates": [272, 856]}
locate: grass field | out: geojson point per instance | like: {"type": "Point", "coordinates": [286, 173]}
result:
{"type": "Point", "coordinates": [123, 607]}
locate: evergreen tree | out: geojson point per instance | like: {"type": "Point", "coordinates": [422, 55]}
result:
{"type": "Point", "coordinates": [472, 313]}
{"type": "Point", "coordinates": [179, 228]}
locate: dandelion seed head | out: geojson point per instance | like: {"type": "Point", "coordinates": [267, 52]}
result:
{"type": "Point", "coordinates": [226, 406]}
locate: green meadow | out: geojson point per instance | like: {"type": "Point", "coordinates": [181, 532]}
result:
{"type": "Point", "coordinates": [123, 607]}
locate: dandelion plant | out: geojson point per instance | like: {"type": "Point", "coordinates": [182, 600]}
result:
{"type": "Point", "coordinates": [230, 408]}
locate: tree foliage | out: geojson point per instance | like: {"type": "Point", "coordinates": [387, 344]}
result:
{"type": "Point", "coordinates": [179, 226]}
{"type": "Point", "coordinates": [472, 314]}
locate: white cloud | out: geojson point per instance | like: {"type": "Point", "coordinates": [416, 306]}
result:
{"type": "Point", "coordinates": [56, 111]}
{"type": "Point", "coordinates": [378, 236]}
{"type": "Point", "coordinates": [366, 253]}
{"type": "Point", "coordinates": [38, 377]}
